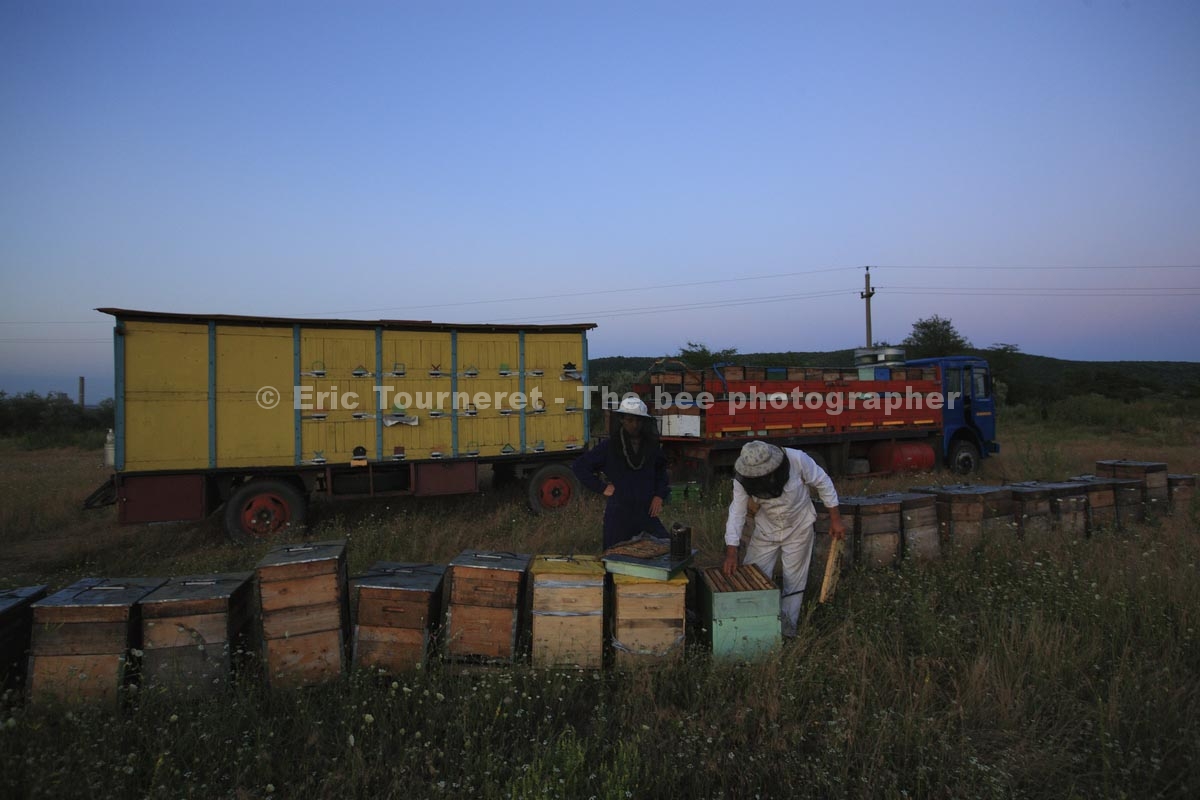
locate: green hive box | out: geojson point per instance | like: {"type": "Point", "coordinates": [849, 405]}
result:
{"type": "Point", "coordinates": [741, 612]}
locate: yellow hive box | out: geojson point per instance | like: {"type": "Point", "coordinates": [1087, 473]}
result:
{"type": "Point", "coordinates": [567, 611]}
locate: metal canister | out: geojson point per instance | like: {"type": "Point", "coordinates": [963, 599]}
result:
{"type": "Point", "coordinates": [681, 541]}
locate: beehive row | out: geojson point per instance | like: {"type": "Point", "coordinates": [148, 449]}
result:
{"type": "Point", "coordinates": [87, 641]}
{"type": "Point", "coordinates": [926, 521]}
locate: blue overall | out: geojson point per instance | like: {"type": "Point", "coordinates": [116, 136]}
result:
{"type": "Point", "coordinates": [627, 512]}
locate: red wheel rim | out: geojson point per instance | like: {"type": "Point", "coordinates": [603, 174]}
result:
{"type": "Point", "coordinates": [265, 514]}
{"type": "Point", "coordinates": [555, 492]}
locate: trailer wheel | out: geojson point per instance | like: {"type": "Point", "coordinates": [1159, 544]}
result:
{"type": "Point", "coordinates": [552, 488]}
{"type": "Point", "coordinates": [964, 457]}
{"type": "Point", "coordinates": [260, 509]}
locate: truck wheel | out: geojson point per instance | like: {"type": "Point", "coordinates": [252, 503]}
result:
{"type": "Point", "coordinates": [260, 509]}
{"type": "Point", "coordinates": [552, 488]}
{"type": "Point", "coordinates": [964, 457]}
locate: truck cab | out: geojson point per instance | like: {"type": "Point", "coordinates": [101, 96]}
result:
{"type": "Point", "coordinates": [969, 410]}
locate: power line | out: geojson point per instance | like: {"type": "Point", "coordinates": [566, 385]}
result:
{"type": "Point", "coordinates": [591, 292]}
{"type": "Point", "coordinates": [1039, 268]}
{"type": "Point", "coordinates": [55, 341]}
{"type": "Point", "coordinates": [55, 322]}
{"type": "Point", "coordinates": [1051, 292]}
{"type": "Point", "coordinates": [667, 308]}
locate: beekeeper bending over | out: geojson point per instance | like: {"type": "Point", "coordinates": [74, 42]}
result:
{"type": "Point", "coordinates": [779, 480]}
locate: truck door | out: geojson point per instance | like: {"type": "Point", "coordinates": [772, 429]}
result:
{"type": "Point", "coordinates": [979, 407]}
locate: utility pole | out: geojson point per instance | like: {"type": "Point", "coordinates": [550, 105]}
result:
{"type": "Point", "coordinates": [867, 294]}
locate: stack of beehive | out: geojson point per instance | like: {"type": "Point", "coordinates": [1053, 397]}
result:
{"type": "Point", "coordinates": [396, 606]}
{"type": "Point", "coordinates": [305, 616]}
{"type": "Point", "coordinates": [483, 615]}
{"type": "Point", "coordinates": [16, 621]}
{"type": "Point", "coordinates": [1181, 489]}
{"type": "Point", "coordinates": [1068, 506]}
{"type": "Point", "coordinates": [648, 617]}
{"type": "Point", "coordinates": [919, 525]}
{"type": "Point", "coordinates": [567, 611]}
{"type": "Point", "coordinates": [1101, 501]}
{"type": "Point", "coordinates": [191, 627]}
{"type": "Point", "coordinates": [874, 522]}
{"type": "Point", "coordinates": [740, 612]}
{"type": "Point", "coordinates": [1112, 502]}
{"type": "Point", "coordinates": [1151, 474]}
{"type": "Point", "coordinates": [1031, 508]}
{"type": "Point", "coordinates": [83, 639]}
{"type": "Point", "coordinates": [968, 514]}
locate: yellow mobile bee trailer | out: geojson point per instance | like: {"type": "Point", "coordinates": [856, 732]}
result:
{"type": "Point", "coordinates": [258, 413]}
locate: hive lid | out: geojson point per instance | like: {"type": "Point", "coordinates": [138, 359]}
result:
{"type": "Point", "coordinates": [1145, 466]}
{"type": "Point", "coordinates": [584, 566]}
{"type": "Point", "coordinates": [621, 579]}
{"type": "Point", "coordinates": [1097, 480]}
{"type": "Point", "coordinates": [11, 598]}
{"type": "Point", "coordinates": [198, 587]}
{"type": "Point", "coordinates": [963, 490]}
{"type": "Point", "coordinates": [415, 577]}
{"type": "Point", "coordinates": [914, 499]}
{"type": "Point", "coordinates": [870, 504]}
{"type": "Point", "coordinates": [94, 592]}
{"type": "Point", "coordinates": [486, 559]}
{"type": "Point", "coordinates": [1030, 490]}
{"type": "Point", "coordinates": [303, 553]}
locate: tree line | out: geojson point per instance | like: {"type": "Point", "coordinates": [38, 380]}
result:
{"type": "Point", "coordinates": [53, 420]}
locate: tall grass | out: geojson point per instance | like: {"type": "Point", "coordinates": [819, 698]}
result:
{"type": "Point", "coordinates": [1061, 668]}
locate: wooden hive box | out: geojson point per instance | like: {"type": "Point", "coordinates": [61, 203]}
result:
{"type": "Point", "coordinates": [1152, 474]}
{"type": "Point", "coordinates": [303, 595]}
{"type": "Point", "coordinates": [919, 526]}
{"type": "Point", "coordinates": [397, 606]}
{"type": "Point", "coordinates": [1130, 497]}
{"type": "Point", "coordinates": [875, 522]}
{"type": "Point", "coordinates": [1181, 489]}
{"type": "Point", "coordinates": [740, 612]}
{"type": "Point", "coordinates": [567, 611]}
{"type": "Point", "coordinates": [1031, 508]}
{"type": "Point", "coordinates": [191, 628]}
{"type": "Point", "coordinates": [82, 638]}
{"type": "Point", "coordinates": [648, 616]}
{"type": "Point", "coordinates": [16, 626]}
{"type": "Point", "coordinates": [1102, 501]}
{"type": "Point", "coordinates": [483, 615]}
{"type": "Point", "coordinates": [967, 514]}
{"type": "Point", "coordinates": [1068, 506]}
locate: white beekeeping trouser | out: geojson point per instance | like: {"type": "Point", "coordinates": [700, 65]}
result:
{"type": "Point", "coordinates": [794, 546]}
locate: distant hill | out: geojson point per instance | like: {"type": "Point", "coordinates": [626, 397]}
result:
{"type": "Point", "coordinates": [1027, 378]}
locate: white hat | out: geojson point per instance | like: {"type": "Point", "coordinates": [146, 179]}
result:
{"type": "Point", "coordinates": [758, 459]}
{"type": "Point", "coordinates": [633, 407]}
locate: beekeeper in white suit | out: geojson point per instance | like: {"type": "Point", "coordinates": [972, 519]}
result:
{"type": "Point", "coordinates": [779, 480]}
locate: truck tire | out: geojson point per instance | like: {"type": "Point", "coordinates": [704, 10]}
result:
{"type": "Point", "coordinates": [964, 457]}
{"type": "Point", "coordinates": [261, 509]}
{"type": "Point", "coordinates": [552, 488]}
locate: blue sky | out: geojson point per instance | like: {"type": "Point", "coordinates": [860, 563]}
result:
{"type": "Point", "coordinates": [672, 171]}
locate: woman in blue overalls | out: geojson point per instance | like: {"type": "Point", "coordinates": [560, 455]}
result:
{"type": "Point", "coordinates": [634, 475]}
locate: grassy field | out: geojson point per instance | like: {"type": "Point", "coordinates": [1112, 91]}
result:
{"type": "Point", "coordinates": [1053, 668]}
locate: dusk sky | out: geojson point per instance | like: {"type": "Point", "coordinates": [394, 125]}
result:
{"type": "Point", "coordinates": [671, 171]}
